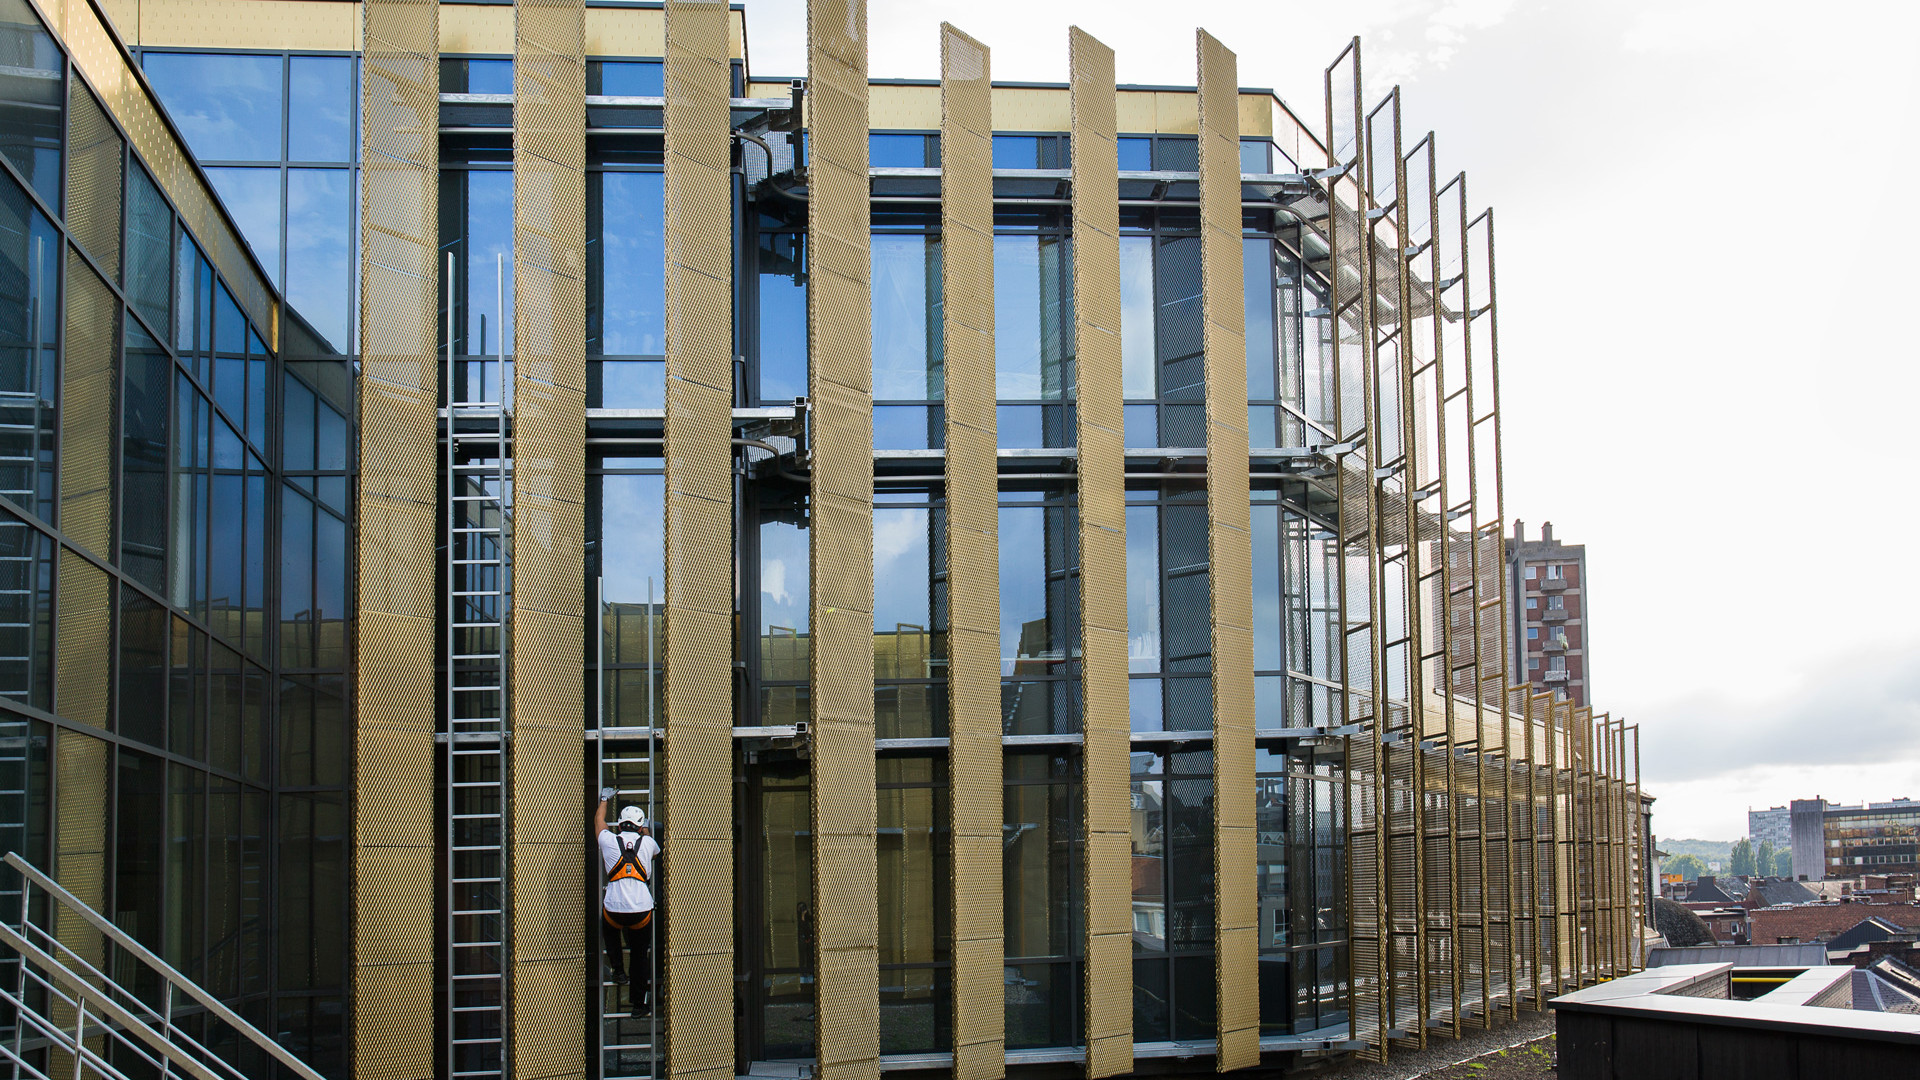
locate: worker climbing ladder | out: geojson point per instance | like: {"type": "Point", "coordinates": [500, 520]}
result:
{"type": "Point", "coordinates": [628, 1031]}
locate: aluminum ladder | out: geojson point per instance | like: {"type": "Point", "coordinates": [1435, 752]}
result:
{"type": "Point", "coordinates": [627, 1037]}
{"type": "Point", "coordinates": [478, 476]}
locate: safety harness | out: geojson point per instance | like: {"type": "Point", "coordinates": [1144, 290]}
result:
{"type": "Point", "coordinates": [628, 866]}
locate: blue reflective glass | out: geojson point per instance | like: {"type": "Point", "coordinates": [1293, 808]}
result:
{"type": "Point", "coordinates": [329, 579]}
{"type": "Point", "coordinates": [476, 76]}
{"type": "Point", "coordinates": [628, 250]}
{"type": "Point", "coordinates": [898, 151]}
{"type": "Point", "coordinates": [230, 327]}
{"type": "Point", "coordinates": [784, 596]}
{"type": "Point", "coordinates": [226, 104]}
{"type": "Point", "coordinates": [32, 101]}
{"type": "Point", "coordinates": [1268, 611]}
{"type": "Point", "coordinates": [1143, 589]}
{"type": "Point", "coordinates": [1144, 711]}
{"type": "Point", "coordinates": [252, 196]}
{"type": "Point", "coordinates": [225, 558]}
{"type": "Point", "coordinates": [1028, 308]}
{"type": "Point", "coordinates": [908, 427]}
{"type": "Point", "coordinates": [227, 451]}
{"type": "Point", "coordinates": [186, 259]}
{"type": "Point", "coordinates": [1257, 269]}
{"type": "Point", "coordinates": [1136, 319]}
{"type": "Point", "coordinates": [254, 547]}
{"type": "Point", "coordinates": [632, 545]}
{"type": "Point", "coordinates": [1136, 155]}
{"type": "Point", "coordinates": [296, 427]}
{"type": "Point", "coordinates": [626, 384]}
{"type": "Point", "coordinates": [331, 447]}
{"type": "Point", "coordinates": [902, 577]}
{"type": "Point", "coordinates": [29, 344]}
{"type": "Point", "coordinates": [1254, 156]}
{"type": "Point", "coordinates": [1142, 424]}
{"type": "Point", "coordinates": [484, 256]}
{"type": "Point", "coordinates": [906, 318]}
{"type": "Point", "coordinates": [626, 78]}
{"type": "Point", "coordinates": [1021, 427]}
{"type": "Point", "coordinates": [1016, 151]}
{"type": "Point", "coordinates": [320, 89]}
{"type": "Point", "coordinates": [783, 317]}
{"type": "Point", "coordinates": [318, 240]}
{"type": "Point", "coordinates": [230, 387]}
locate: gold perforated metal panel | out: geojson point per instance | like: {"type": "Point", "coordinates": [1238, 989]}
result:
{"type": "Point", "coordinates": [82, 641]}
{"type": "Point", "coordinates": [81, 770]}
{"type": "Point", "coordinates": [1103, 582]}
{"type": "Point", "coordinates": [88, 391]}
{"type": "Point", "coordinates": [840, 661]}
{"type": "Point", "coordinates": [394, 834]}
{"type": "Point", "coordinates": [1230, 553]}
{"type": "Point", "coordinates": [95, 158]}
{"type": "Point", "coordinates": [973, 545]}
{"type": "Point", "coordinates": [547, 943]}
{"type": "Point", "coordinates": [699, 572]}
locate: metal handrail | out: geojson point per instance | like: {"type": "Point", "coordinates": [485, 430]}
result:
{"type": "Point", "coordinates": [141, 953]}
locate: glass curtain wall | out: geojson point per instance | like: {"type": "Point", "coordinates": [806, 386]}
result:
{"type": "Point", "coordinates": [210, 705]}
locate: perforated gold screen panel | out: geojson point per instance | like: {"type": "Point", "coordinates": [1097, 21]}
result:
{"type": "Point", "coordinates": [840, 666]}
{"type": "Point", "coordinates": [394, 834]}
{"type": "Point", "coordinates": [699, 507]}
{"type": "Point", "coordinates": [95, 157]}
{"type": "Point", "coordinates": [89, 390]}
{"type": "Point", "coordinates": [1103, 559]}
{"type": "Point", "coordinates": [973, 554]}
{"type": "Point", "coordinates": [548, 945]}
{"type": "Point", "coordinates": [1230, 551]}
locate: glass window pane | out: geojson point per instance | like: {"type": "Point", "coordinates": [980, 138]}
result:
{"type": "Point", "coordinates": [784, 585]}
{"type": "Point", "coordinates": [1176, 153]}
{"type": "Point", "coordinates": [1030, 313]}
{"type": "Point", "coordinates": [886, 151]}
{"type": "Point", "coordinates": [319, 237]}
{"type": "Point", "coordinates": [1136, 318]}
{"type": "Point", "coordinates": [475, 76]}
{"type": "Point", "coordinates": [1143, 588]}
{"type": "Point", "coordinates": [252, 196]}
{"type": "Point", "coordinates": [226, 104]}
{"type": "Point", "coordinates": [32, 101]}
{"type": "Point", "coordinates": [1016, 151]}
{"type": "Point", "coordinates": [626, 249]}
{"type": "Point", "coordinates": [626, 78]}
{"type": "Point", "coordinates": [147, 415]}
{"type": "Point", "coordinates": [1257, 265]}
{"type": "Point", "coordinates": [321, 92]}
{"type": "Point", "coordinates": [149, 251]}
{"type": "Point", "coordinates": [906, 318]}
{"type": "Point", "coordinates": [1254, 156]}
{"type": "Point", "coordinates": [783, 317]}
{"type": "Point", "coordinates": [29, 343]}
{"type": "Point", "coordinates": [1136, 154]}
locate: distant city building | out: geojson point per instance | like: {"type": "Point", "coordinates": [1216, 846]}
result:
{"type": "Point", "coordinates": [1773, 824]}
{"type": "Point", "coordinates": [1847, 841]}
{"type": "Point", "coordinates": [1548, 633]}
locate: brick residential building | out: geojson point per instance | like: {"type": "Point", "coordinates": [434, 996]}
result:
{"type": "Point", "coordinates": [1823, 922]}
{"type": "Point", "coordinates": [1548, 628]}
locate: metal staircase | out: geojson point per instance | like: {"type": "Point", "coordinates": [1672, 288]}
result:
{"type": "Point", "coordinates": [628, 1035]}
{"type": "Point", "coordinates": [71, 1018]}
{"type": "Point", "coordinates": [478, 477]}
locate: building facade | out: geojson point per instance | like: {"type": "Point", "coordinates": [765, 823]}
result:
{"type": "Point", "coordinates": [1878, 838]}
{"type": "Point", "coordinates": [1549, 638]}
{"type": "Point", "coordinates": [1774, 824]}
{"type": "Point", "coordinates": [1035, 552]}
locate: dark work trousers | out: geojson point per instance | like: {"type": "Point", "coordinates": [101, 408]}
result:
{"type": "Point", "coordinates": [637, 928]}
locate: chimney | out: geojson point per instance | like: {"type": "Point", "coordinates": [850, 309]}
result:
{"type": "Point", "coordinates": [1519, 530]}
{"type": "Point", "coordinates": [1546, 532]}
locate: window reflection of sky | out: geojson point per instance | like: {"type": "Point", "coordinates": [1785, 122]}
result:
{"type": "Point", "coordinates": [783, 578]}
{"type": "Point", "coordinates": [632, 544]}
{"type": "Point", "coordinates": [902, 568]}
{"type": "Point", "coordinates": [1136, 317]}
{"type": "Point", "coordinates": [227, 105]}
{"type": "Point", "coordinates": [321, 108]}
{"type": "Point", "coordinates": [252, 196]}
{"type": "Point", "coordinates": [489, 236]}
{"type": "Point", "coordinates": [317, 268]}
{"type": "Point", "coordinates": [632, 256]}
{"type": "Point", "coordinates": [906, 318]}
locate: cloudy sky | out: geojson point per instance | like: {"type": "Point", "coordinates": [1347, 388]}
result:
{"type": "Point", "coordinates": [1707, 249]}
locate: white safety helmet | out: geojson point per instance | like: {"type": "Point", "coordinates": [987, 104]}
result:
{"type": "Point", "coordinates": [633, 816]}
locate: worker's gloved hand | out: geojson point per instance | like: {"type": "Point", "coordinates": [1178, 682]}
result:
{"type": "Point", "coordinates": [607, 793]}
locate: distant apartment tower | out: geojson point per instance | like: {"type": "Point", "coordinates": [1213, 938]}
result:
{"type": "Point", "coordinates": [1548, 635]}
{"type": "Point", "coordinates": [1775, 824]}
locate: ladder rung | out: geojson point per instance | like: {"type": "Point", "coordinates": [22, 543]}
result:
{"type": "Point", "coordinates": [463, 625]}
{"type": "Point", "coordinates": [478, 1008]}
{"type": "Point", "coordinates": [477, 783]}
{"type": "Point", "coordinates": [477, 880]}
{"type": "Point", "coordinates": [473, 689]}
{"type": "Point", "coordinates": [479, 911]}
{"type": "Point", "coordinates": [477, 944]}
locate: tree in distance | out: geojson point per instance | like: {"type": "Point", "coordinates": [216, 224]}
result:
{"type": "Point", "coordinates": [1689, 867]}
{"type": "Point", "coordinates": [1783, 863]}
{"type": "Point", "coordinates": [1741, 862]}
{"type": "Point", "coordinates": [1763, 858]}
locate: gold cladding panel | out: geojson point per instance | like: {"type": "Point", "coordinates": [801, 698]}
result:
{"type": "Point", "coordinates": [699, 507]}
{"type": "Point", "coordinates": [1229, 545]}
{"type": "Point", "coordinates": [1092, 104]}
{"type": "Point", "coordinates": [84, 614]}
{"type": "Point", "coordinates": [94, 184]}
{"type": "Point", "coordinates": [549, 291]}
{"type": "Point", "coordinates": [840, 673]}
{"type": "Point", "coordinates": [972, 533]}
{"type": "Point", "coordinates": [80, 857]}
{"type": "Point", "coordinates": [394, 752]}
{"type": "Point", "coordinates": [88, 393]}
